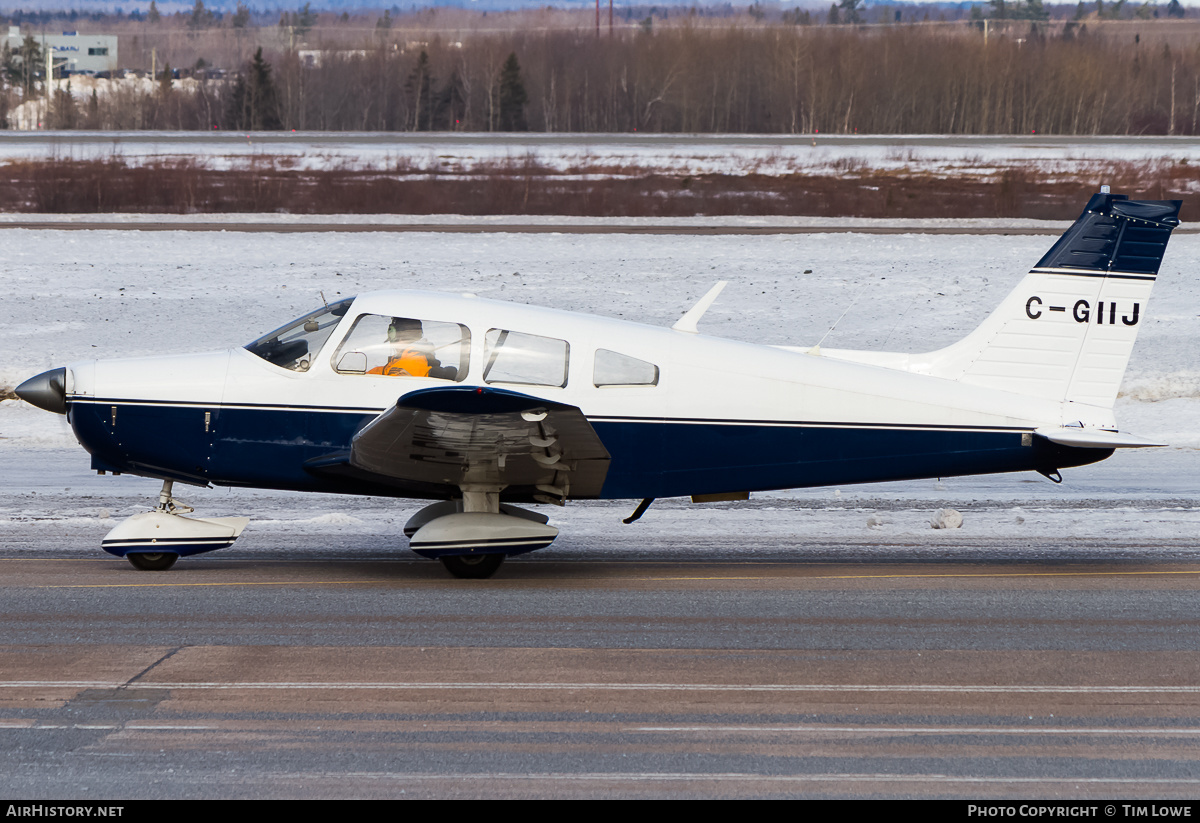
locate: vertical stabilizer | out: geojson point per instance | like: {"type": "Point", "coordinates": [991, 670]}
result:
{"type": "Point", "coordinates": [1067, 331]}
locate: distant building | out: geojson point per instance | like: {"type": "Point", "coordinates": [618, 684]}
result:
{"type": "Point", "coordinates": [314, 57]}
{"type": "Point", "coordinates": [73, 52]}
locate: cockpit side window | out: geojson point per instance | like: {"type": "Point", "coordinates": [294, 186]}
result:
{"type": "Point", "coordinates": [524, 359]}
{"type": "Point", "coordinates": [293, 346]}
{"type": "Point", "coordinates": [405, 347]}
{"type": "Point", "coordinates": [614, 369]}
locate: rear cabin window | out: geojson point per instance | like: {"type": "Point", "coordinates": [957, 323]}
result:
{"type": "Point", "coordinates": [389, 346]}
{"type": "Point", "coordinates": [615, 369]}
{"type": "Point", "coordinates": [524, 359]}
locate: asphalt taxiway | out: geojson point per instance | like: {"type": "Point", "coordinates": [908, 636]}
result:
{"type": "Point", "coordinates": [245, 676]}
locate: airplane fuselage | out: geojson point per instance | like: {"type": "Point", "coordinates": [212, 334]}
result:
{"type": "Point", "coordinates": [717, 416]}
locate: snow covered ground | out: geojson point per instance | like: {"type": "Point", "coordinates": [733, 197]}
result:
{"type": "Point", "coordinates": [71, 295]}
{"type": "Point", "coordinates": [616, 154]}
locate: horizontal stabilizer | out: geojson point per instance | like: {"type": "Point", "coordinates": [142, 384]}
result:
{"type": "Point", "coordinates": [1095, 438]}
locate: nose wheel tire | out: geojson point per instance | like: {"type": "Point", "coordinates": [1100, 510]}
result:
{"type": "Point", "coordinates": [472, 566]}
{"type": "Point", "coordinates": [152, 561]}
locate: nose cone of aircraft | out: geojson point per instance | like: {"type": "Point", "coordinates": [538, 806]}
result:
{"type": "Point", "coordinates": [46, 391]}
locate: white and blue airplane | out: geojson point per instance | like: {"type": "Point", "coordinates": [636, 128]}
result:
{"type": "Point", "coordinates": [479, 405]}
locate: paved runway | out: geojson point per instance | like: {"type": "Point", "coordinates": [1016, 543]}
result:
{"type": "Point", "coordinates": [237, 676]}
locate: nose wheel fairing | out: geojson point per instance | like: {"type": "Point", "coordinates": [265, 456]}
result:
{"type": "Point", "coordinates": [162, 532]}
{"type": "Point", "coordinates": [154, 540]}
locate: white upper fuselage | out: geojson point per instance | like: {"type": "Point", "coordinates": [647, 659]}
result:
{"type": "Point", "coordinates": [700, 377]}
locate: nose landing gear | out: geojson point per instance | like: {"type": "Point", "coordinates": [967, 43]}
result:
{"type": "Point", "coordinates": [154, 540]}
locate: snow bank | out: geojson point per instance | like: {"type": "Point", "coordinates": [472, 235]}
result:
{"type": "Point", "coordinates": [613, 154]}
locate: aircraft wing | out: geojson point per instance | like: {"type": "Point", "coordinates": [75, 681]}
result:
{"type": "Point", "coordinates": [444, 438]}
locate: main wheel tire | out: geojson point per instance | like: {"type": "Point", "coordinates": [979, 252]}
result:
{"type": "Point", "coordinates": [472, 566]}
{"type": "Point", "coordinates": [152, 561]}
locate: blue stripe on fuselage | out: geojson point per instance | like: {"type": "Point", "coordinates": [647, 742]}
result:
{"type": "Point", "coordinates": [268, 447]}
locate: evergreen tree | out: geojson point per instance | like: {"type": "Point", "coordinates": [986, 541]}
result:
{"type": "Point", "coordinates": [164, 81]}
{"type": "Point", "coordinates": [241, 17]}
{"type": "Point", "coordinates": [300, 22]}
{"type": "Point", "coordinates": [261, 98]}
{"type": "Point", "coordinates": [419, 88]}
{"type": "Point", "coordinates": [236, 115]}
{"type": "Point", "coordinates": [850, 10]}
{"type": "Point", "coordinates": [253, 102]}
{"type": "Point", "coordinates": [63, 112]}
{"type": "Point", "coordinates": [511, 98]}
{"type": "Point", "coordinates": [1175, 9]}
{"type": "Point", "coordinates": [92, 120]}
{"type": "Point", "coordinates": [1034, 10]}
{"type": "Point", "coordinates": [832, 18]}
{"type": "Point", "coordinates": [451, 107]}
{"type": "Point", "coordinates": [201, 17]}
{"type": "Point", "coordinates": [153, 16]}
{"type": "Point", "coordinates": [21, 66]}
{"type": "Point", "coordinates": [304, 20]}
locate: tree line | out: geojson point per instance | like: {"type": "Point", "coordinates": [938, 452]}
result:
{"type": "Point", "coordinates": [1017, 79]}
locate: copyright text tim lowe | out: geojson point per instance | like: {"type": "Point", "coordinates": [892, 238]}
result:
{"type": "Point", "coordinates": [1109, 810]}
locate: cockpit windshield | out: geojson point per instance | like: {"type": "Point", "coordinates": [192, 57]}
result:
{"type": "Point", "coordinates": [293, 346]}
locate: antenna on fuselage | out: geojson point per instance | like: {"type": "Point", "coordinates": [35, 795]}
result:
{"type": "Point", "coordinates": [688, 322]}
{"type": "Point", "coordinates": [817, 348]}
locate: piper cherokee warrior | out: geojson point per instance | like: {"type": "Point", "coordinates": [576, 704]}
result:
{"type": "Point", "coordinates": [480, 405]}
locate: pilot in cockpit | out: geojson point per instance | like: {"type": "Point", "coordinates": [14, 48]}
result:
{"type": "Point", "coordinates": [411, 354]}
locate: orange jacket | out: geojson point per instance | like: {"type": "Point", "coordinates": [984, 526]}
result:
{"type": "Point", "coordinates": [409, 362]}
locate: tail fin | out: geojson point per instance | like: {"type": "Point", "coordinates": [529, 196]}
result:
{"type": "Point", "coordinates": [1066, 332]}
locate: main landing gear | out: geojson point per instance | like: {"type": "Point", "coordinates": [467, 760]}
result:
{"type": "Point", "coordinates": [472, 536]}
{"type": "Point", "coordinates": [472, 567]}
{"type": "Point", "coordinates": [152, 561]}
